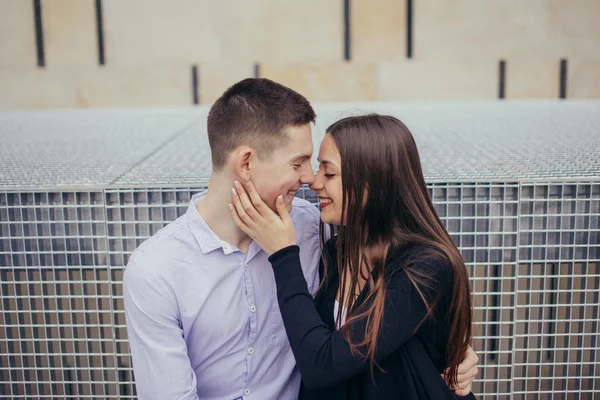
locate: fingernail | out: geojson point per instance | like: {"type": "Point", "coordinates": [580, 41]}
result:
{"type": "Point", "coordinates": [230, 206]}
{"type": "Point", "coordinates": [234, 192]}
{"type": "Point", "coordinates": [280, 198]}
{"type": "Point", "coordinates": [237, 184]}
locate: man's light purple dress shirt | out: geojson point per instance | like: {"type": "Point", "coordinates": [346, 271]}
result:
{"type": "Point", "coordinates": [202, 317]}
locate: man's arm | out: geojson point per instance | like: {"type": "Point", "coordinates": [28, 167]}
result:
{"type": "Point", "coordinates": [467, 371]}
{"type": "Point", "coordinates": [160, 362]}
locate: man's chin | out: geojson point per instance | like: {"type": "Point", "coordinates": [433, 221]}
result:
{"type": "Point", "coordinates": [288, 206]}
{"type": "Point", "coordinates": [287, 201]}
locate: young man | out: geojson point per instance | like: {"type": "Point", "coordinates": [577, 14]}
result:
{"type": "Point", "coordinates": [200, 297]}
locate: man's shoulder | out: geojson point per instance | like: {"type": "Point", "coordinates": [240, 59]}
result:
{"type": "Point", "coordinates": [306, 218]}
{"type": "Point", "coordinates": [305, 210]}
{"type": "Point", "coordinates": [162, 247]}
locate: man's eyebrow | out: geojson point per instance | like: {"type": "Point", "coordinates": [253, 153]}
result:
{"type": "Point", "coordinates": [302, 157]}
{"type": "Point", "coordinates": [327, 162]}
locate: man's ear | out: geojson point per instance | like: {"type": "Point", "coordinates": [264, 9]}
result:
{"type": "Point", "coordinates": [244, 159]}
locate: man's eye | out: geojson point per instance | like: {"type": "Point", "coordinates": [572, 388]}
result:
{"type": "Point", "coordinates": [297, 165]}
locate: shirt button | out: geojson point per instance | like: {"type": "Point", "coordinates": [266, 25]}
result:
{"type": "Point", "coordinates": [252, 308]}
{"type": "Point", "coordinates": [250, 350]}
{"type": "Point", "coordinates": [247, 391]}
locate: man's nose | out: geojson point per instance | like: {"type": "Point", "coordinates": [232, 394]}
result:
{"type": "Point", "coordinates": [308, 177]}
{"type": "Point", "coordinates": [317, 183]}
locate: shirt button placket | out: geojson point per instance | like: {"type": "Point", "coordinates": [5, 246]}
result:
{"type": "Point", "coordinates": [251, 303]}
{"type": "Point", "coordinates": [252, 332]}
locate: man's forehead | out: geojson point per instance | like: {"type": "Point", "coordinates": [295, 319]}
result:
{"type": "Point", "coordinates": [299, 145]}
{"type": "Point", "coordinates": [293, 154]}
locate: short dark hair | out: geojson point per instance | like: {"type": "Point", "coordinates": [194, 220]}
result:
{"type": "Point", "coordinates": [256, 112]}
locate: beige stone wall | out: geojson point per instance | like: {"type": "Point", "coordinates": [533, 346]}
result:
{"type": "Point", "coordinates": [150, 47]}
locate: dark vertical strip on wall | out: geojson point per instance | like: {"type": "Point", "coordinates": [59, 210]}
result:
{"type": "Point", "coordinates": [100, 32]}
{"type": "Point", "coordinates": [595, 317]}
{"type": "Point", "coordinates": [409, 28]}
{"type": "Point", "coordinates": [124, 380]}
{"type": "Point", "coordinates": [195, 85]}
{"type": "Point", "coordinates": [39, 33]}
{"type": "Point", "coordinates": [9, 319]}
{"type": "Point", "coordinates": [257, 70]}
{"type": "Point", "coordinates": [495, 314]}
{"type": "Point", "coordinates": [68, 380]}
{"type": "Point", "coordinates": [20, 292]}
{"type": "Point", "coordinates": [563, 78]}
{"type": "Point", "coordinates": [553, 310]}
{"type": "Point", "coordinates": [347, 30]}
{"type": "Point", "coordinates": [501, 79]}
{"type": "Point", "coordinates": [581, 328]}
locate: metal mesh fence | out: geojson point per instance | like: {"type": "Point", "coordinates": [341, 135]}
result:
{"type": "Point", "coordinates": [532, 250]}
{"type": "Point", "coordinates": [516, 184]}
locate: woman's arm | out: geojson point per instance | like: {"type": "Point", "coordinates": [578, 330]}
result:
{"type": "Point", "coordinates": [324, 358]}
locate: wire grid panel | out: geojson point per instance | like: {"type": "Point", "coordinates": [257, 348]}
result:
{"type": "Point", "coordinates": [85, 147]}
{"type": "Point", "coordinates": [532, 253]}
{"type": "Point", "coordinates": [57, 325]}
{"type": "Point", "coordinates": [482, 220]}
{"type": "Point", "coordinates": [558, 286]}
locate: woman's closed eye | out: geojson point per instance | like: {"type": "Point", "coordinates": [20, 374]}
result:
{"type": "Point", "coordinates": [329, 176]}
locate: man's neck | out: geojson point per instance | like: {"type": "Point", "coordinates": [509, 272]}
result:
{"type": "Point", "coordinates": [214, 209]}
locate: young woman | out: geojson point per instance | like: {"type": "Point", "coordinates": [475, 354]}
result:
{"type": "Point", "coordinates": [393, 309]}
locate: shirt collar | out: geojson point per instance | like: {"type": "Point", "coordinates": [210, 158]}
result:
{"type": "Point", "coordinates": [205, 237]}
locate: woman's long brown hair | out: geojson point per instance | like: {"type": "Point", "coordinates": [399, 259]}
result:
{"type": "Point", "coordinates": [379, 157]}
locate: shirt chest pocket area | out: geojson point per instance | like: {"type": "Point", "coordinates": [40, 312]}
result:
{"type": "Point", "coordinates": [278, 335]}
